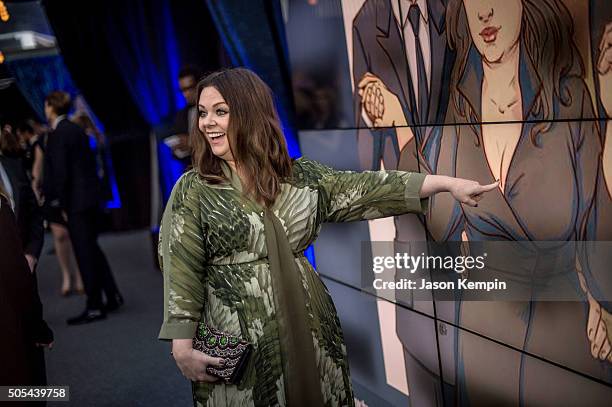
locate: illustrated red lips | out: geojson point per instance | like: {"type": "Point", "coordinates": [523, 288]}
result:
{"type": "Point", "coordinates": [489, 34]}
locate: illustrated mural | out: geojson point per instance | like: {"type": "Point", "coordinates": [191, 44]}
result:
{"type": "Point", "coordinates": [518, 91]}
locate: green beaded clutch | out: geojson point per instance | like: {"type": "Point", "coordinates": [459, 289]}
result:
{"type": "Point", "coordinates": [233, 349]}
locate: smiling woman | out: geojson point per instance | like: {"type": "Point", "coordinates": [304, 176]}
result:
{"type": "Point", "coordinates": [232, 250]}
{"type": "Point", "coordinates": [213, 121]}
{"type": "Point", "coordinates": [253, 136]}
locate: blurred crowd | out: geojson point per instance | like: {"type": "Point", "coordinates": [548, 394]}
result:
{"type": "Point", "coordinates": [51, 177]}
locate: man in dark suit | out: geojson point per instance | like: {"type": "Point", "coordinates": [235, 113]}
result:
{"type": "Point", "coordinates": [71, 185]}
{"type": "Point", "coordinates": [186, 117]}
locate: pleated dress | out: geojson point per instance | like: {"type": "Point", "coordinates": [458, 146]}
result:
{"type": "Point", "coordinates": [216, 266]}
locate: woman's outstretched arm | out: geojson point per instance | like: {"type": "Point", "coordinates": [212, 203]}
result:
{"type": "Point", "coordinates": [346, 196]}
{"type": "Point", "coordinates": [463, 190]}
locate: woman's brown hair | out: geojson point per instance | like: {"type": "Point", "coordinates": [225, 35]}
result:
{"type": "Point", "coordinates": [547, 39]}
{"type": "Point", "coordinates": [255, 136]}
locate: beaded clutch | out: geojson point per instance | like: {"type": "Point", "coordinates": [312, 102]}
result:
{"type": "Point", "coordinates": [233, 349]}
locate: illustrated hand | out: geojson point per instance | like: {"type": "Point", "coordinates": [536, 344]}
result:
{"type": "Point", "coordinates": [193, 363]}
{"type": "Point", "coordinates": [604, 70]}
{"type": "Point", "coordinates": [469, 192]}
{"type": "Point", "coordinates": [598, 330]}
{"type": "Point", "coordinates": [606, 317]}
{"type": "Point", "coordinates": [380, 104]}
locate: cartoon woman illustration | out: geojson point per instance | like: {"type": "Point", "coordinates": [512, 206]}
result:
{"type": "Point", "coordinates": [517, 64]}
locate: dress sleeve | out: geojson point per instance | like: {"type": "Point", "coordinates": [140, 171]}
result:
{"type": "Point", "coordinates": [182, 258]}
{"type": "Point", "coordinates": [346, 196]}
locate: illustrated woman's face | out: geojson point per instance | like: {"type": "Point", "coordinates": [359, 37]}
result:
{"type": "Point", "coordinates": [495, 26]}
{"type": "Point", "coordinates": [213, 121]}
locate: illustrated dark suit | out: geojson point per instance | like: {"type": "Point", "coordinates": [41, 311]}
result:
{"type": "Point", "coordinates": [71, 184]}
{"type": "Point", "coordinates": [29, 215]}
{"type": "Point", "coordinates": [378, 48]}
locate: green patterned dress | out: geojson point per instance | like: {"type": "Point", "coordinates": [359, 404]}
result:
{"type": "Point", "coordinates": [216, 269]}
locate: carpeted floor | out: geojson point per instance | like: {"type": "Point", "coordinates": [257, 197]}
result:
{"type": "Point", "coordinates": [118, 361]}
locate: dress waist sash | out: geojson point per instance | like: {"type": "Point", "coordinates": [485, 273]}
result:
{"type": "Point", "coordinates": [300, 371]}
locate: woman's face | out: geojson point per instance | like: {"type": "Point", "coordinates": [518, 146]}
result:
{"type": "Point", "coordinates": [495, 26]}
{"type": "Point", "coordinates": [213, 121]}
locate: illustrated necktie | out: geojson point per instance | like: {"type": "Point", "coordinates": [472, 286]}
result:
{"type": "Point", "coordinates": [414, 16]}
